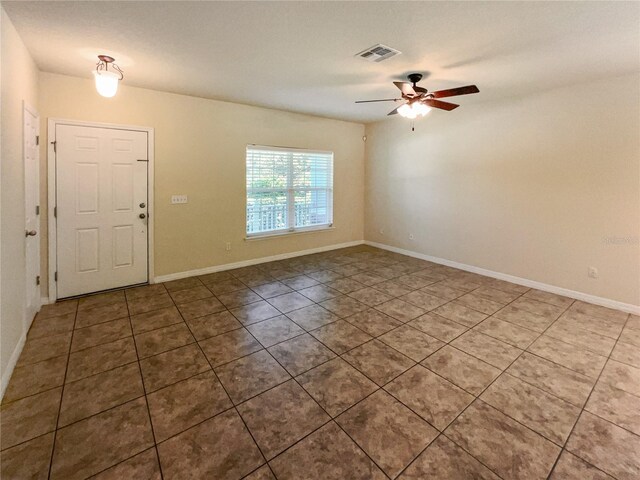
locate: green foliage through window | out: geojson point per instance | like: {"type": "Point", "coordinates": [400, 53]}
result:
{"type": "Point", "coordinates": [288, 189]}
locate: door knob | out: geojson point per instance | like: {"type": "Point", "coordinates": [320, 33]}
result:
{"type": "Point", "coordinates": [142, 205]}
{"type": "Point", "coordinates": [30, 233]}
{"type": "Point", "coordinates": [142, 215]}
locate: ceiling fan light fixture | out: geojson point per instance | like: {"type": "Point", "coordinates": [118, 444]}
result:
{"type": "Point", "coordinates": [413, 110]}
{"type": "Point", "coordinates": [107, 80]}
{"type": "Point", "coordinates": [421, 109]}
{"type": "Point", "coordinates": [406, 111]}
{"type": "Point", "coordinates": [420, 101]}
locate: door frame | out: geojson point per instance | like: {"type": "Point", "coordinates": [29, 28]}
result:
{"type": "Point", "coordinates": [52, 123]}
{"type": "Point", "coordinates": [27, 108]}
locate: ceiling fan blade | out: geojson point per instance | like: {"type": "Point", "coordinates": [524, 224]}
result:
{"type": "Point", "coordinates": [452, 92]}
{"type": "Point", "coordinates": [384, 100]}
{"type": "Point", "coordinates": [405, 88]}
{"type": "Point", "coordinates": [394, 111]}
{"type": "Point", "coordinates": [438, 104]}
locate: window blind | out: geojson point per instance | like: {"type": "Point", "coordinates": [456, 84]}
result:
{"type": "Point", "coordinates": [288, 189]}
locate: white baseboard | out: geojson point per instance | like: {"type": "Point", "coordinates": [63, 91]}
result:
{"type": "Point", "coordinates": [253, 261]}
{"type": "Point", "coordinates": [585, 297]}
{"type": "Point", "coordinates": [6, 375]}
{"type": "Point", "coordinates": [15, 355]}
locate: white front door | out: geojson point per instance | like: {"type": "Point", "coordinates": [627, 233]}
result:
{"type": "Point", "coordinates": [31, 130]}
{"type": "Point", "coordinates": [101, 189]}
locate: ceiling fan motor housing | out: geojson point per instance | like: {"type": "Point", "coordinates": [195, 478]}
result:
{"type": "Point", "coordinates": [414, 77]}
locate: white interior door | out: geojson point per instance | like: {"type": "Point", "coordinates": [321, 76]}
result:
{"type": "Point", "coordinates": [101, 199]}
{"type": "Point", "coordinates": [31, 130]}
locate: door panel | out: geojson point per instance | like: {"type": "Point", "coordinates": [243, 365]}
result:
{"type": "Point", "coordinates": [102, 241]}
{"type": "Point", "coordinates": [86, 188]}
{"type": "Point", "coordinates": [32, 217]}
{"type": "Point", "coordinates": [87, 250]}
{"type": "Point", "coordinates": [123, 245]}
{"type": "Point", "coordinates": [122, 175]}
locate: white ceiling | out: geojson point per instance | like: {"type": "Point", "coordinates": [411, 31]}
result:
{"type": "Point", "coordinates": [299, 56]}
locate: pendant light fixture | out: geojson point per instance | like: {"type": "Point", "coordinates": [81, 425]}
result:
{"type": "Point", "coordinates": [107, 80]}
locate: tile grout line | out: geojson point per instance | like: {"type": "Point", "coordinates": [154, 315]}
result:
{"type": "Point", "coordinates": [378, 387]}
{"type": "Point", "coordinates": [344, 353]}
{"type": "Point", "coordinates": [266, 348]}
{"type": "Point", "coordinates": [102, 411]}
{"type": "Point", "coordinates": [477, 398]}
{"type": "Point", "coordinates": [418, 363]}
{"type": "Point", "coordinates": [146, 400]}
{"type": "Point", "coordinates": [77, 310]}
{"type": "Point", "coordinates": [233, 404]}
{"type": "Point", "coordinates": [584, 406]}
{"type": "Point", "coordinates": [522, 353]}
{"type": "Point", "coordinates": [415, 363]}
{"type": "Point", "coordinates": [525, 350]}
{"type": "Point", "coordinates": [64, 381]}
{"type": "Point", "coordinates": [331, 417]}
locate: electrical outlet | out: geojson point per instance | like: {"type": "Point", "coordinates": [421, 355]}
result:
{"type": "Point", "coordinates": [411, 237]}
{"type": "Point", "coordinates": [592, 272]}
{"type": "Point", "coordinates": [175, 199]}
{"type": "Point", "coordinates": [227, 246]}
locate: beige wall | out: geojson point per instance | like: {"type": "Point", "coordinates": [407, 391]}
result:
{"type": "Point", "coordinates": [19, 83]}
{"type": "Point", "coordinates": [200, 151]}
{"type": "Point", "coordinates": [527, 186]}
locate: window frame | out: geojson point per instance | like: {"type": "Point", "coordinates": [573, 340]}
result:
{"type": "Point", "coordinates": [291, 229]}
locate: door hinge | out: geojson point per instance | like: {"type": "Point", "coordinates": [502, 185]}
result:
{"type": "Point", "coordinates": [54, 143]}
{"type": "Point", "coordinates": [37, 139]}
{"type": "Point", "coordinates": [55, 212]}
{"type": "Point", "coordinates": [55, 276]}
{"type": "Point", "coordinates": [38, 280]}
{"type": "Point", "coordinates": [37, 209]}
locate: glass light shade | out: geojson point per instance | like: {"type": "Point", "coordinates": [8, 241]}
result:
{"type": "Point", "coordinates": [106, 83]}
{"type": "Point", "coordinates": [412, 111]}
{"type": "Point", "coordinates": [421, 109]}
{"type": "Point", "coordinates": [406, 111]}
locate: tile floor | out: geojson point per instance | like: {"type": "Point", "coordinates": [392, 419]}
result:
{"type": "Point", "coordinates": [351, 364]}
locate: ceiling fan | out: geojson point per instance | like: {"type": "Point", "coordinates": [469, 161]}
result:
{"type": "Point", "coordinates": [420, 100]}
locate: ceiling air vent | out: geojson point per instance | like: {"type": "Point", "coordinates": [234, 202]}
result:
{"type": "Point", "coordinates": [378, 53]}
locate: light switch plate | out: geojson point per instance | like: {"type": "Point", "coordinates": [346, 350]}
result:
{"type": "Point", "coordinates": [179, 199]}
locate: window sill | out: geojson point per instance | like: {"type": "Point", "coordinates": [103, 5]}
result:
{"type": "Point", "coordinates": [264, 236]}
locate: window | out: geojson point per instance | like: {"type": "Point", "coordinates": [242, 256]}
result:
{"type": "Point", "coordinates": [288, 190]}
